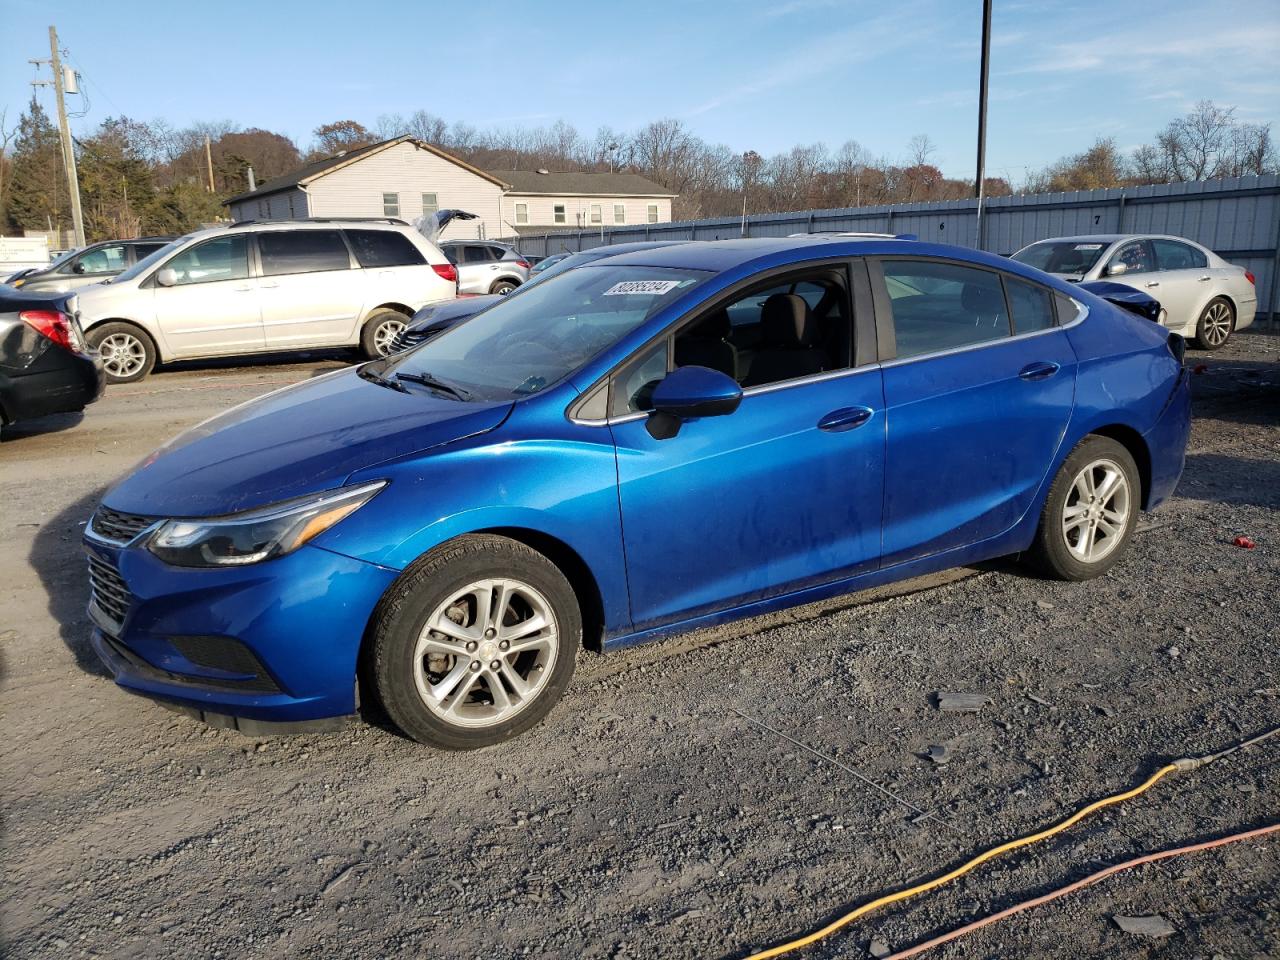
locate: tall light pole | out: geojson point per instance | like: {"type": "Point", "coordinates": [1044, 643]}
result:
{"type": "Point", "coordinates": [979, 190]}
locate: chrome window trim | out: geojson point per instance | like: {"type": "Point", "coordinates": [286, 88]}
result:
{"type": "Point", "coordinates": [1083, 311]}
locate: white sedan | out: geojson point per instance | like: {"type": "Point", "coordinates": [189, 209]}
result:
{"type": "Point", "coordinates": [1203, 297]}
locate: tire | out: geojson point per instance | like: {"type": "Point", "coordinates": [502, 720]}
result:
{"type": "Point", "coordinates": [128, 352]}
{"type": "Point", "coordinates": [503, 287]}
{"type": "Point", "coordinates": [379, 331]}
{"type": "Point", "coordinates": [1217, 321]}
{"type": "Point", "coordinates": [441, 688]}
{"type": "Point", "coordinates": [1078, 539]}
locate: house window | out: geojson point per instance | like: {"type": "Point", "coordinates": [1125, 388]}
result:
{"type": "Point", "coordinates": [619, 213]}
{"type": "Point", "coordinates": [653, 213]}
{"type": "Point", "coordinates": [391, 204]}
{"type": "Point", "coordinates": [262, 210]}
{"type": "Point", "coordinates": [291, 213]}
{"type": "Point", "coordinates": [522, 213]}
{"type": "Point", "coordinates": [558, 213]}
{"type": "Point", "coordinates": [430, 204]}
{"type": "Point", "coordinates": [595, 213]}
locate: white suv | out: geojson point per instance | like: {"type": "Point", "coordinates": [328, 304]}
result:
{"type": "Point", "coordinates": [261, 286]}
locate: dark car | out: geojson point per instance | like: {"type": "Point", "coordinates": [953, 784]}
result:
{"type": "Point", "coordinates": [92, 264]}
{"type": "Point", "coordinates": [43, 364]}
{"type": "Point", "coordinates": [436, 318]}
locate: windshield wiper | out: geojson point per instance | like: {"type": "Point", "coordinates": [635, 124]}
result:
{"type": "Point", "coordinates": [367, 374]}
{"type": "Point", "coordinates": [434, 383]}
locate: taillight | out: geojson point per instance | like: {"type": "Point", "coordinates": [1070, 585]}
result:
{"type": "Point", "coordinates": [523, 264]}
{"type": "Point", "coordinates": [446, 271]}
{"type": "Point", "coordinates": [1248, 275]}
{"type": "Point", "coordinates": [57, 327]}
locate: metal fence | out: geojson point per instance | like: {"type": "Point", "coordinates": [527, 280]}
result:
{"type": "Point", "coordinates": [1238, 218]}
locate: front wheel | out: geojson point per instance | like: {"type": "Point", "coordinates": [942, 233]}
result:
{"type": "Point", "coordinates": [378, 337]}
{"type": "Point", "coordinates": [1216, 322]}
{"type": "Point", "coordinates": [128, 353]}
{"type": "Point", "coordinates": [1090, 512]}
{"type": "Point", "coordinates": [476, 643]}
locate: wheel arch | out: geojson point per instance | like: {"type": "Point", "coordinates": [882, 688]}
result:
{"type": "Point", "coordinates": [161, 355]}
{"type": "Point", "coordinates": [1134, 442]}
{"type": "Point", "coordinates": [398, 307]}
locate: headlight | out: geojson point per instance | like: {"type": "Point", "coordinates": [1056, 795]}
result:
{"type": "Point", "coordinates": [256, 535]}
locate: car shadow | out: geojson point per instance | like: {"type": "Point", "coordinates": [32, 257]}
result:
{"type": "Point", "coordinates": [58, 561]}
{"type": "Point", "coordinates": [51, 423]}
{"type": "Point", "coordinates": [1246, 481]}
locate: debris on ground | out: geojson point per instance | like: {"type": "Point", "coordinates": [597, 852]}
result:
{"type": "Point", "coordinates": [1245, 542]}
{"type": "Point", "coordinates": [961, 702]}
{"type": "Point", "coordinates": [1154, 926]}
{"type": "Point", "coordinates": [938, 753]}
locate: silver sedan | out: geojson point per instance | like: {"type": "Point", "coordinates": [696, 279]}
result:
{"type": "Point", "coordinates": [1203, 297]}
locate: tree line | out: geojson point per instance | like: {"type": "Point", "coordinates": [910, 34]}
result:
{"type": "Point", "coordinates": [139, 178]}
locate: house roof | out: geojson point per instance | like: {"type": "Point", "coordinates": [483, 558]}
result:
{"type": "Point", "coordinates": [581, 184]}
{"type": "Point", "coordinates": [319, 168]}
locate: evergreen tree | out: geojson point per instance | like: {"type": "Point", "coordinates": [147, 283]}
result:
{"type": "Point", "coordinates": [37, 186]}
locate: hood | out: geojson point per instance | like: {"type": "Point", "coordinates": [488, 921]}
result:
{"type": "Point", "coordinates": [299, 440]}
{"type": "Point", "coordinates": [446, 314]}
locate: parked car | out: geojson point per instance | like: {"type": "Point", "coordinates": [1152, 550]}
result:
{"type": "Point", "coordinates": [431, 321]}
{"type": "Point", "coordinates": [656, 442]}
{"type": "Point", "coordinates": [486, 267]}
{"type": "Point", "coordinates": [92, 264]}
{"type": "Point", "coordinates": [1204, 297]}
{"type": "Point", "coordinates": [44, 366]}
{"type": "Point", "coordinates": [547, 262]}
{"type": "Point", "coordinates": [270, 285]}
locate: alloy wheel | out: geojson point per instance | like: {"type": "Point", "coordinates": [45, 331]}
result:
{"type": "Point", "coordinates": [123, 354]}
{"type": "Point", "coordinates": [384, 337]}
{"type": "Point", "coordinates": [1216, 323]}
{"type": "Point", "coordinates": [1096, 513]}
{"type": "Point", "coordinates": [487, 653]}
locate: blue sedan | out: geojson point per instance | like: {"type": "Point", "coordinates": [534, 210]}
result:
{"type": "Point", "coordinates": [660, 441]}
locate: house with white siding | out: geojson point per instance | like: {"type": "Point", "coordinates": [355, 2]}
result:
{"type": "Point", "coordinates": [407, 178]}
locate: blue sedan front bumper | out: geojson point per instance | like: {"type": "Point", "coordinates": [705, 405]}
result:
{"type": "Point", "coordinates": [275, 642]}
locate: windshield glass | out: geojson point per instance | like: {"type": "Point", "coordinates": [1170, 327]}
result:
{"type": "Point", "coordinates": [528, 342]}
{"type": "Point", "coordinates": [1075, 257]}
{"type": "Point", "coordinates": [146, 263]}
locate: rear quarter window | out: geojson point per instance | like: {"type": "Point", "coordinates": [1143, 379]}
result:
{"type": "Point", "coordinates": [1031, 306]}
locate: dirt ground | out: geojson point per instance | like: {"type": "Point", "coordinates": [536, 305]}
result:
{"type": "Point", "coordinates": [647, 817]}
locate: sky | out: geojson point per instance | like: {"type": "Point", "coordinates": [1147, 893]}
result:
{"type": "Point", "coordinates": [753, 75]}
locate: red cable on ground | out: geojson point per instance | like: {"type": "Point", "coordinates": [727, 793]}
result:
{"type": "Point", "coordinates": [1071, 888]}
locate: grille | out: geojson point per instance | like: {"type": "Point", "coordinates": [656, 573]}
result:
{"type": "Point", "coordinates": [119, 527]}
{"type": "Point", "coordinates": [407, 338]}
{"type": "Point", "coordinates": [108, 591]}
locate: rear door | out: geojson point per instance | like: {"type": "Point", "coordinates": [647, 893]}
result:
{"type": "Point", "coordinates": [393, 269]}
{"type": "Point", "coordinates": [976, 403]}
{"type": "Point", "coordinates": [476, 266]}
{"type": "Point", "coordinates": [311, 294]}
{"type": "Point", "coordinates": [212, 307]}
{"type": "Point", "coordinates": [1182, 279]}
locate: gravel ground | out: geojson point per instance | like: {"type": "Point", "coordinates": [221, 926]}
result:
{"type": "Point", "coordinates": [647, 817]}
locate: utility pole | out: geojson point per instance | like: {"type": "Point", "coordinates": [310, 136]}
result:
{"type": "Point", "coordinates": [979, 187]}
{"type": "Point", "coordinates": [208, 159]}
{"type": "Point", "coordinates": [68, 147]}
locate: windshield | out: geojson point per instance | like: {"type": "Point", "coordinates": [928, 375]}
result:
{"type": "Point", "coordinates": [528, 342]}
{"type": "Point", "coordinates": [146, 263]}
{"type": "Point", "coordinates": [1075, 257]}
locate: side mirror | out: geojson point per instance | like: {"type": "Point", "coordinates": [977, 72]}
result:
{"type": "Point", "coordinates": [1117, 270]}
{"type": "Point", "coordinates": [167, 277]}
{"type": "Point", "coordinates": [688, 393]}
{"type": "Point", "coordinates": [78, 267]}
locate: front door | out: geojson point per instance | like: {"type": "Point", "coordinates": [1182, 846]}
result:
{"type": "Point", "coordinates": [310, 294]}
{"type": "Point", "coordinates": [211, 309]}
{"type": "Point", "coordinates": [782, 494]}
{"type": "Point", "coordinates": [977, 403]}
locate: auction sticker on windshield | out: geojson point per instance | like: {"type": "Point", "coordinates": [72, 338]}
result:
{"type": "Point", "coordinates": [1088, 246]}
{"type": "Point", "coordinates": [646, 288]}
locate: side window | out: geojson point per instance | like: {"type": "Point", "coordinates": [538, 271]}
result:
{"type": "Point", "coordinates": [522, 213]}
{"type": "Point", "coordinates": [100, 261]}
{"type": "Point", "coordinates": [652, 213]}
{"type": "Point", "coordinates": [595, 213]}
{"type": "Point", "coordinates": [782, 332]}
{"type": "Point", "coordinates": [1172, 255]}
{"type": "Point", "coordinates": [302, 251]}
{"type": "Point", "coordinates": [141, 250]}
{"type": "Point", "coordinates": [1134, 256]}
{"type": "Point", "coordinates": [619, 213]}
{"type": "Point", "coordinates": [384, 248]}
{"type": "Point", "coordinates": [941, 306]}
{"type": "Point", "coordinates": [475, 254]}
{"type": "Point", "coordinates": [633, 384]}
{"type": "Point", "coordinates": [223, 258]}
{"type": "Point", "coordinates": [430, 204]}
{"type": "Point", "coordinates": [1032, 306]}
{"type": "Point", "coordinates": [558, 213]}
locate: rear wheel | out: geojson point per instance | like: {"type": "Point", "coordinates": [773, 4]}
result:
{"type": "Point", "coordinates": [1215, 324]}
{"type": "Point", "coordinates": [128, 353]}
{"type": "Point", "coordinates": [503, 287]}
{"type": "Point", "coordinates": [476, 643]}
{"type": "Point", "coordinates": [379, 333]}
{"type": "Point", "coordinates": [1089, 515]}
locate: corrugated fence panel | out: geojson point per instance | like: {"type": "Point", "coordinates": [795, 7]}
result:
{"type": "Point", "coordinates": [1239, 218]}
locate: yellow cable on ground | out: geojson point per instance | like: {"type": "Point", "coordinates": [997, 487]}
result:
{"type": "Point", "coordinates": [980, 859]}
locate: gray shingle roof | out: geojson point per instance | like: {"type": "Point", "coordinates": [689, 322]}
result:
{"type": "Point", "coordinates": [586, 184]}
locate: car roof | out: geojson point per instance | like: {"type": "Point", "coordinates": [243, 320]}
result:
{"type": "Point", "coordinates": [1111, 238]}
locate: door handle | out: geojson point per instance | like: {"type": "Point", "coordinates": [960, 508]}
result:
{"type": "Point", "coordinates": [264, 286]}
{"type": "Point", "coordinates": [1205, 279]}
{"type": "Point", "coordinates": [1154, 283]}
{"type": "Point", "coordinates": [244, 289]}
{"type": "Point", "coordinates": [1040, 370]}
{"type": "Point", "coordinates": [846, 418]}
